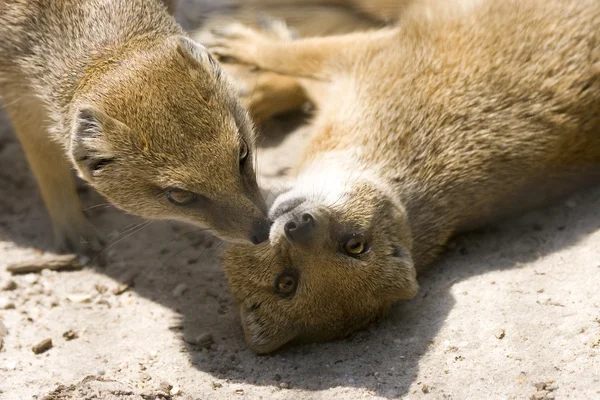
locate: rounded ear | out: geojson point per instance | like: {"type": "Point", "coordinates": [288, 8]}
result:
{"type": "Point", "coordinates": [197, 53]}
{"type": "Point", "coordinates": [89, 149]}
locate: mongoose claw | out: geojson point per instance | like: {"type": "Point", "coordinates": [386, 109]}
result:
{"type": "Point", "coordinates": [83, 240]}
{"type": "Point", "coordinates": [236, 41]}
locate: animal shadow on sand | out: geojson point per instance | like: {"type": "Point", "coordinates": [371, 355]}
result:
{"type": "Point", "coordinates": [383, 359]}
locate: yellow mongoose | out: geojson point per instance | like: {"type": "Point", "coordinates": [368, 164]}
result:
{"type": "Point", "coordinates": [142, 112]}
{"type": "Point", "coordinates": [434, 127]}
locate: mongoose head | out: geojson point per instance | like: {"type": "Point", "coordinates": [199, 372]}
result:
{"type": "Point", "coordinates": [160, 134]}
{"type": "Point", "coordinates": [339, 256]}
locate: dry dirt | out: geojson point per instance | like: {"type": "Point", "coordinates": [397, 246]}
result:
{"type": "Point", "coordinates": [510, 312]}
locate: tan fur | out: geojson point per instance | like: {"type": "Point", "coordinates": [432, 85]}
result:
{"type": "Point", "coordinates": [118, 81]}
{"type": "Point", "coordinates": [267, 94]}
{"type": "Point", "coordinates": [437, 126]}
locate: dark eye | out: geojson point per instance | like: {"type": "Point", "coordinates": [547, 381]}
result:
{"type": "Point", "coordinates": [181, 197]}
{"type": "Point", "coordinates": [243, 153]}
{"type": "Point", "coordinates": [286, 284]}
{"type": "Point", "coordinates": [355, 245]}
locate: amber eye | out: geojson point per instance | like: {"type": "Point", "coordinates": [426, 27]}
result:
{"type": "Point", "coordinates": [356, 245]}
{"type": "Point", "coordinates": [243, 153]}
{"type": "Point", "coordinates": [181, 197]}
{"type": "Point", "coordinates": [286, 284]}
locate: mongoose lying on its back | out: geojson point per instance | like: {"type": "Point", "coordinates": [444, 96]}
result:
{"type": "Point", "coordinates": [434, 127]}
{"type": "Point", "coordinates": [144, 114]}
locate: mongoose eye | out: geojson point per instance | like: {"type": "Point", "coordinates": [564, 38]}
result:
{"type": "Point", "coordinates": [243, 153]}
{"type": "Point", "coordinates": [355, 245]}
{"type": "Point", "coordinates": [181, 197]}
{"type": "Point", "coordinates": [286, 284]}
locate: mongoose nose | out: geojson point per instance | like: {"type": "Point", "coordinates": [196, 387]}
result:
{"type": "Point", "coordinates": [300, 229]}
{"type": "Point", "coordinates": [260, 230]}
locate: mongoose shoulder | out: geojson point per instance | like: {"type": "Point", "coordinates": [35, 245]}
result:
{"type": "Point", "coordinates": [434, 127]}
{"type": "Point", "coordinates": [145, 115]}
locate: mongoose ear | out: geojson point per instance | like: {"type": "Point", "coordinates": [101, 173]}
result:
{"type": "Point", "coordinates": [196, 52]}
{"type": "Point", "coordinates": [90, 150]}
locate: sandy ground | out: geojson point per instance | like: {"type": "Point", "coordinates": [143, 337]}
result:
{"type": "Point", "coordinates": [507, 309]}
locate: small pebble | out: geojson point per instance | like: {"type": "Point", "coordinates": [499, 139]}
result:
{"type": "Point", "coordinates": [540, 394]}
{"type": "Point", "coordinates": [120, 288]}
{"type": "Point", "coordinates": [179, 289]}
{"type": "Point", "coordinates": [5, 304]}
{"type": "Point", "coordinates": [540, 386]}
{"type": "Point", "coordinates": [284, 385]}
{"type": "Point", "coordinates": [216, 385]}
{"type": "Point", "coordinates": [552, 387]}
{"type": "Point", "coordinates": [165, 387]}
{"type": "Point", "coordinates": [175, 391]}
{"type": "Point", "coordinates": [9, 285]}
{"type": "Point", "coordinates": [42, 346]}
{"type": "Point", "coordinates": [550, 396]}
{"type": "Point", "coordinates": [500, 333]}
{"type": "Point", "coordinates": [70, 335]}
{"type": "Point", "coordinates": [79, 298]}
{"type": "Point", "coordinates": [204, 340]}
{"type": "Point", "coordinates": [425, 389]}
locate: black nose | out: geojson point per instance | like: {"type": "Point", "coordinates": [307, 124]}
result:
{"type": "Point", "coordinates": [260, 230]}
{"type": "Point", "coordinates": [300, 229]}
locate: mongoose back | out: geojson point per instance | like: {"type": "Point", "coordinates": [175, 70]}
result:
{"type": "Point", "coordinates": [434, 127]}
{"type": "Point", "coordinates": [143, 113]}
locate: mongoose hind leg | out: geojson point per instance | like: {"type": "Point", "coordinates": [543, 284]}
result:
{"type": "Point", "coordinates": [73, 232]}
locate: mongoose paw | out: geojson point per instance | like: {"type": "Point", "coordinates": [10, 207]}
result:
{"type": "Point", "coordinates": [237, 41]}
{"type": "Point", "coordinates": [83, 240]}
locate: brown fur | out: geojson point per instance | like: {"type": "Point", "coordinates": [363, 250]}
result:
{"type": "Point", "coordinates": [437, 126]}
{"type": "Point", "coordinates": [118, 81]}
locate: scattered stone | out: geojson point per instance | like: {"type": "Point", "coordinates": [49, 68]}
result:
{"type": "Point", "coordinates": [42, 346]}
{"type": "Point", "coordinates": [216, 385]}
{"type": "Point", "coordinates": [100, 288]}
{"type": "Point", "coordinates": [3, 332]}
{"type": "Point", "coordinates": [552, 387]}
{"type": "Point", "coordinates": [550, 396]}
{"type": "Point", "coordinates": [204, 340]}
{"type": "Point", "coordinates": [70, 335]}
{"type": "Point", "coordinates": [144, 376]}
{"type": "Point", "coordinates": [165, 387]}
{"type": "Point", "coordinates": [522, 377]}
{"type": "Point", "coordinates": [120, 289]}
{"type": "Point", "coordinates": [179, 289]}
{"type": "Point", "coordinates": [500, 333]}
{"type": "Point", "coordinates": [284, 385]}
{"type": "Point", "coordinates": [9, 285]}
{"type": "Point", "coordinates": [540, 395]}
{"type": "Point", "coordinates": [239, 391]}
{"type": "Point", "coordinates": [79, 298]}
{"type": "Point", "coordinates": [425, 389]}
{"type": "Point", "coordinates": [6, 304]}
{"type": "Point", "coordinates": [540, 385]}
{"type": "Point", "coordinates": [595, 341]}
{"type": "Point", "coordinates": [48, 261]}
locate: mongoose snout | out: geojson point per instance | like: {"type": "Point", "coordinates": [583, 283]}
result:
{"type": "Point", "coordinates": [260, 230]}
{"type": "Point", "coordinates": [300, 228]}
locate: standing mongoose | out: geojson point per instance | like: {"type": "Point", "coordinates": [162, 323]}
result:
{"type": "Point", "coordinates": [146, 116]}
{"type": "Point", "coordinates": [437, 126]}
